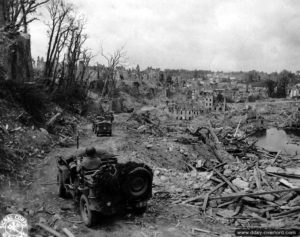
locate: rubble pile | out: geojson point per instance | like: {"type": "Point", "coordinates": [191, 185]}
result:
{"type": "Point", "coordinates": [181, 184]}
{"type": "Point", "coordinates": [279, 115]}
{"type": "Point", "coordinates": [24, 144]}
{"type": "Point", "coordinates": [242, 184]}
{"type": "Point", "coordinates": [258, 188]}
{"type": "Point", "coordinates": [65, 127]}
{"type": "Point", "coordinates": [150, 121]}
{"type": "Point", "coordinates": [20, 142]}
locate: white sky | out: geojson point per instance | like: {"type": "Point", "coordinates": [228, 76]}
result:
{"type": "Point", "coordinates": [230, 35]}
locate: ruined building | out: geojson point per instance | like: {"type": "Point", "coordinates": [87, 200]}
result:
{"type": "Point", "coordinates": [40, 64]}
{"type": "Point", "coordinates": [208, 101]}
{"type": "Point", "coordinates": [187, 113]}
{"type": "Point", "coordinates": [184, 111]}
{"type": "Point", "coordinates": [2, 13]}
{"type": "Point", "coordinates": [2, 24]}
{"type": "Point", "coordinates": [15, 52]}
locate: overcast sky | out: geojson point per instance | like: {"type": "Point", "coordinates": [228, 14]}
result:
{"type": "Point", "coordinates": [230, 35]}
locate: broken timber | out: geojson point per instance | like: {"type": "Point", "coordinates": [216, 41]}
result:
{"type": "Point", "coordinates": [53, 119]}
{"type": "Point", "coordinates": [50, 230]}
{"type": "Point", "coordinates": [218, 148]}
{"type": "Point", "coordinates": [67, 232]}
{"type": "Point", "coordinates": [209, 193]}
{"type": "Point", "coordinates": [234, 188]}
{"type": "Point", "coordinates": [257, 176]}
{"type": "Point", "coordinates": [237, 195]}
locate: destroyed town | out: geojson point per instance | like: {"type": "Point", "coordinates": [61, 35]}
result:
{"type": "Point", "coordinates": [153, 118]}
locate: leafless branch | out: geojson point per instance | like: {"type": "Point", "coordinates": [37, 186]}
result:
{"type": "Point", "coordinates": [114, 60]}
{"type": "Point", "coordinates": [19, 11]}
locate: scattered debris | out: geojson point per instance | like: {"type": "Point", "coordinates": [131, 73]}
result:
{"type": "Point", "coordinates": [50, 230]}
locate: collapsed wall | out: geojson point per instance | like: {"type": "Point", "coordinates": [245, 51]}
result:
{"type": "Point", "coordinates": [15, 57]}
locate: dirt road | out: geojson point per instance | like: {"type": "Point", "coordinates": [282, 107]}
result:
{"type": "Point", "coordinates": [40, 197]}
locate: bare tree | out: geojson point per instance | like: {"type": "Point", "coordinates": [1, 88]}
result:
{"type": "Point", "coordinates": [19, 12]}
{"type": "Point", "coordinates": [85, 59]}
{"type": "Point", "coordinates": [54, 65]}
{"type": "Point", "coordinates": [66, 35]}
{"type": "Point", "coordinates": [75, 48]}
{"type": "Point", "coordinates": [77, 58]}
{"type": "Point", "coordinates": [58, 32]}
{"type": "Point", "coordinates": [114, 60]}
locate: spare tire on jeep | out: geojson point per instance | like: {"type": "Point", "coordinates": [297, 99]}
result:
{"type": "Point", "coordinates": [137, 182]}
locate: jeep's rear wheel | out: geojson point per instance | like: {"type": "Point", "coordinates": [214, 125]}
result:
{"type": "Point", "coordinates": [138, 184]}
{"type": "Point", "coordinates": [88, 216]}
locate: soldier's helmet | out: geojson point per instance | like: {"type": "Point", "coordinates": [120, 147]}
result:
{"type": "Point", "coordinates": [90, 151]}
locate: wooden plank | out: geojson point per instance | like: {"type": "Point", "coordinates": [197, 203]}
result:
{"type": "Point", "coordinates": [196, 198]}
{"type": "Point", "coordinates": [286, 212]}
{"type": "Point", "coordinates": [50, 230]}
{"type": "Point", "coordinates": [205, 202]}
{"type": "Point", "coordinates": [237, 128]}
{"type": "Point", "coordinates": [265, 180]}
{"type": "Point", "coordinates": [216, 179]}
{"type": "Point", "coordinates": [259, 210]}
{"type": "Point", "coordinates": [209, 193]}
{"type": "Point", "coordinates": [217, 166]}
{"type": "Point", "coordinates": [238, 209]}
{"type": "Point", "coordinates": [234, 188]}
{"type": "Point", "coordinates": [277, 155]}
{"type": "Point", "coordinates": [227, 203]}
{"type": "Point", "coordinates": [287, 183]}
{"type": "Point", "coordinates": [254, 215]}
{"type": "Point", "coordinates": [53, 119]}
{"type": "Point", "coordinates": [200, 230]}
{"type": "Point", "coordinates": [291, 176]}
{"type": "Point", "coordinates": [237, 195]}
{"type": "Point", "coordinates": [67, 232]}
{"type": "Point", "coordinates": [257, 177]}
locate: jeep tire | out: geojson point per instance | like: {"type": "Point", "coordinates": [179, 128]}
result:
{"type": "Point", "coordinates": [62, 192]}
{"type": "Point", "coordinates": [139, 210]}
{"type": "Point", "coordinates": [88, 216]}
{"type": "Point", "coordinates": [137, 184]}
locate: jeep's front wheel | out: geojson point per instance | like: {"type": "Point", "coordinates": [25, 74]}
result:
{"type": "Point", "coordinates": [62, 192]}
{"type": "Point", "coordinates": [88, 216]}
{"type": "Point", "coordinates": [139, 210]}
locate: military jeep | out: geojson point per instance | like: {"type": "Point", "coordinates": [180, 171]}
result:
{"type": "Point", "coordinates": [106, 190]}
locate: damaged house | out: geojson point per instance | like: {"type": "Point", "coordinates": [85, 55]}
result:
{"type": "Point", "coordinates": [294, 92]}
